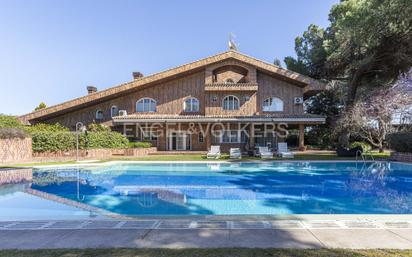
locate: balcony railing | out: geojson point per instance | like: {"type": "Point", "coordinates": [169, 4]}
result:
{"type": "Point", "coordinates": [231, 87]}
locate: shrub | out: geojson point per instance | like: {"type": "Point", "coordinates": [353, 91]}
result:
{"type": "Point", "coordinates": [8, 121]}
{"type": "Point", "coordinates": [400, 141]}
{"type": "Point", "coordinates": [365, 146]}
{"type": "Point", "coordinates": [56, 127]}
{"type": "Point", "coordinates": [7, 133]}
{"type": "Point", "coordinates": [44, 141]}
{"type": "Point", "coordinates": [139, 145]}
{"type": "Point", "coordinates": [106, 139]}
{"type": "Point", "coordinates": [94, 127]}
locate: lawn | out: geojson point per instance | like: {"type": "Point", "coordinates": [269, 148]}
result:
{"type": "Point", "coordinates": [327, 155]}
{"type": "Point", "coordinates": [235, 252]}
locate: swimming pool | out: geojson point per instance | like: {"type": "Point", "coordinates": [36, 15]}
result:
{"type": "Point", "coordinates": [264, 188]}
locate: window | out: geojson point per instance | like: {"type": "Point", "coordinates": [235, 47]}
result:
{"type": "Point", "coordinates": [146, 105]}
{"type": "Point", "coordinates": [230, 103]}
{"type": "Point", "coordinates": [114, 111]}
{"type": "Point", "coordinates": [273, 104]}
{"type": "Point", "coordinates": [99, 115]}
{"type": "Point", "coordinates": [191, 105]}
{"type": "Point", "coordinates": [229, 136]}
{"type": "Point", "coordinates": [229, 81]}
{"type": "Point", "coordinates": [201, 137]}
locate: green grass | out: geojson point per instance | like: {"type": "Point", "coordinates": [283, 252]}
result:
{"type": "Point", "coordinates": [200, 157]}
{"type": "Point", "coordinates": [233, 252]}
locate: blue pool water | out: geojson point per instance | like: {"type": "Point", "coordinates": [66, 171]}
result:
{"type": "Point", "coordinates": [273, 188]}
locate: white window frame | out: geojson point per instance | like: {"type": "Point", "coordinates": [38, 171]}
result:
{"type": "Point", "coordinates": [148, 134]}
{"type": "Point", "coordinates": [273, 104]}
{"type": "Point", "coordinates": [111, 111]}
{"type": "Point", "coordinates": [231, 106]}
{"type": "Point", "coordinates": [188, 105]}
{"type": "Point", "coordinates": [99, 115]}
{"type": "Point", "coordinates": [151, 105]}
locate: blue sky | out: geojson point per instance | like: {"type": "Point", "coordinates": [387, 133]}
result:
{"type": "Point", "coordinates": [50, 50]}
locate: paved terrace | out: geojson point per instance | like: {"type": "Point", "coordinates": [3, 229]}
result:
{"type": "Point", "coordinates": [208, 233]}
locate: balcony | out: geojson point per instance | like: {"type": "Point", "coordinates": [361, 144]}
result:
{"type": "Point", "coordinates": [231, 87]}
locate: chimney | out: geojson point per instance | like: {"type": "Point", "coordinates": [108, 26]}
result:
{"type": "Point", "coordinates": [91, 89]}
{"type": "Point", "coordinates": [137, 75]}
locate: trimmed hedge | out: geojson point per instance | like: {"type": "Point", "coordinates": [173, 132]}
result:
{"type": "Point", "coordinates": [400, 141]}
{"type": "Point", "coordinates": [45, 141]}
{"type": "Point", "coordinates": [105, 140]}
{"type": "Point", "coordinates": [140, 145]}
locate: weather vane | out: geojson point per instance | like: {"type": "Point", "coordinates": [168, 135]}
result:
{"type": "Point", "coordinates": [232, 44]}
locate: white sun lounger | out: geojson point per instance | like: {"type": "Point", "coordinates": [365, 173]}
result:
{"type": "Point", "coordinates": [264, 152]}
{"type": "Point", "coordinates": [235, 153]}
{"type": "Point", "coordinates": [283, 151]}
{"type": "Point", "coordinates": [214, 152]}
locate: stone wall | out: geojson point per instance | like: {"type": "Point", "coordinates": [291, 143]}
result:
{"type": "Point", "coordinates": [97, 153]}
{"type": "Point", "coordinates": [15, 150]}
{"type": "Point", "coordinates": [401, 157]}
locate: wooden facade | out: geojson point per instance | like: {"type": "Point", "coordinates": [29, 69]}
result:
{"type": "Point", "coordinates": [209, 81]}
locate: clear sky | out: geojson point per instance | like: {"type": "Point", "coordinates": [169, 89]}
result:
{"type": "Point", "coordinates": [50, 50]}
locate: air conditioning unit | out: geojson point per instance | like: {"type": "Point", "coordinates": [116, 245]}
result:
{"type": "Point", "coordinates": [122, 113]}
{"type": "Point", "coordinates": [298, 100]}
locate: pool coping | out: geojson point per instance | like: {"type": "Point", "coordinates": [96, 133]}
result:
{"type": "Point", "coordinates": [205, 162]}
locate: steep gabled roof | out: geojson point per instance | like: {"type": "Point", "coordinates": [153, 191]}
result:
{"type": "Point", "coordinates": [309, 84]}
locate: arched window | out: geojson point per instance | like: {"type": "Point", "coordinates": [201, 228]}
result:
{"type": "Point", "coordinates": [230, 102]}
{"type": "Point", "coordinates": [191, 105]}
{"type": "Point", "coordinates": [99, 115]}
{"type": "Point", "coordinates": [146, 105]}
{"type": "Point", "coordinates": [273, 104]}
{"type": "Point", "coordinates": [114, 111]}
{"type": "Point", "coordinates": [229, 81]}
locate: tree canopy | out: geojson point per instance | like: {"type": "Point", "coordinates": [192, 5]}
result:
{"type": "Point", "coordinates": [368, 43]}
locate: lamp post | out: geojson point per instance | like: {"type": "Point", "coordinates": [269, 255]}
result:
{"type": "Point", "coordinates": [79, 128]}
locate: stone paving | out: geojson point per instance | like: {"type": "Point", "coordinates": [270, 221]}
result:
{"type": "Point", "coordinates": [186, 233]}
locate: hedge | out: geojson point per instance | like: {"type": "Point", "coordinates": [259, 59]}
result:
{"type": "Point", "coordinates": [46, 141]}
{"type": "Point", "coordinates": [140, 145]}
{"type": "Point", "coordinates": [400, 141]}
{"type": "Point", "coordinates": [8, 133]}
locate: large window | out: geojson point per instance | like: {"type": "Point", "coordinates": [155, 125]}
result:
{"type": "Point", "coordinates": [114, 111]}
{"type": "Point", "coordinates": [146, 105]}
{"type": "Point", "coordinates": [191, 105]}
{"type": "Point", "coordinates": [230, 102]}
{"type": "Point", "coordinates": [99, 115]}
{"type": "Point", "coordinates": [273, 104]}
{"type": "Point", "coordinates": [229, 136]}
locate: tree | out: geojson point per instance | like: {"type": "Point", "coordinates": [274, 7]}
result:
{"type": "Point", "coordinates": [42, 105]}
{"type": "Point", "coordinates": [329, 103]}
{"type": "Point", "coordinates": [372, 118]}
{"type": "Point", "coordinates": [367, 45]}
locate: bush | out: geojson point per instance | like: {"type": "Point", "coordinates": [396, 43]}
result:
{"type": "Point", "coordinates": [94, 127]}
{"type": "Point", "coordinates": [51, 141]}
{"type": "Point", "coordinates": [400, 141]}
{"type": "Point", "coordinates": [8, 133]}
{"type": "Point", "coordinates": [47, 127]}
{"type": "Point", "coordinates": [365, 146]}
{"type": "Point", "coordinates": [106, 139]}
{"type": "Point", "coordinates": [45, 141]}
{"type": "Point", "coordinates": [8, 121]}
{"type": "Point", "coordinates": [139, 145]}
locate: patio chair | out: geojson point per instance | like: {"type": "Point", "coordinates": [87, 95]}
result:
{"type": "Point", "coordinates": [264, 152]}
{"type": "Point", "coordinates": [214, 152]}
{"type": "Point", "coordinates": [235, 153]}
{"type": "Point", "coordinates": [283, 151]}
